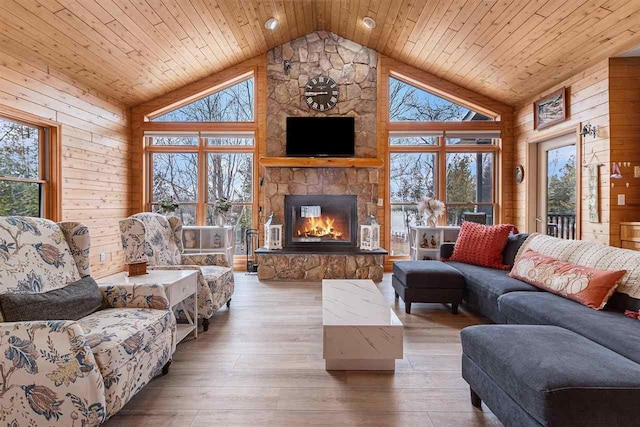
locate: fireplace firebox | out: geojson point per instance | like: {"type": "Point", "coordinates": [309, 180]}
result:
{"type": "Point", "coordinates": [321, 221]}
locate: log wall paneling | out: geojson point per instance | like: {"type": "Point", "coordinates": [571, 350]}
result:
{"type": "Point", "coordinates": [588, 102]}
{"type": "Point", "coordinates": [509, 50]}
{"type": "Point", "coordinates": [96, 188]}
{"type": "Point", "coordinates": [624, 116]}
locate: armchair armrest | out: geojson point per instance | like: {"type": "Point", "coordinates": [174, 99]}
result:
{"type": "Point", "coordinates": [446, 250]}
{"type": "Point", "coordinates": [129, 295]}
{"type": "Point", "coordinates": [79, 240]}
{"type": "Point", "coordinates": [49, 373]}
{"type": "Point", "coordinates": [217, 259]}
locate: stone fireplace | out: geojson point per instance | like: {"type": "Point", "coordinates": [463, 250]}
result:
{"type": "Point", "coordinates": [317, 247]}
{"type": "Point", "coordinates": [321, 222]}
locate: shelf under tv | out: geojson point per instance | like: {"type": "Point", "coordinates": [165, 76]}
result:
{"type": "Point", "coordinates": [321, 162]}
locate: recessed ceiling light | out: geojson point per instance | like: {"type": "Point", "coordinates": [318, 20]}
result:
{"type": "Point", "coordinates": [271, 24]}
{"type": "Point", "coordinates": [369, 22]}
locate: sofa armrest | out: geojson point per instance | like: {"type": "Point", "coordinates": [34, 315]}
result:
{"type": "Point", "coordinates": [217, 259]}
{"type": "Point", "coordinates": [49, 373]}
{"type": "Point", "coordinates": [129, 295]}
{"type": "Point", "coordinates": [446, 250]}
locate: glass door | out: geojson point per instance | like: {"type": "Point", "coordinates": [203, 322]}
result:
{"type": "Point", "coordinates": [557, 187]}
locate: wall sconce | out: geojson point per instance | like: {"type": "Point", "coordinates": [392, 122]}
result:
{"type": "Point", "coordinates": [589, 129]}
{"type": "Point", "coordinates": [287, 67]}
{"type": "Point", "coordinates": [615, 171]}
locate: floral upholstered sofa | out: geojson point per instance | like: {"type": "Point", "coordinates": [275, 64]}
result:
{"type": "Point", "coordinates": [65, 372]}
{"type": "Point", "coordinates": [157, 239]}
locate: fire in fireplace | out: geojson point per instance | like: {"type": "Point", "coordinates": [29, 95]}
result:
{"type": "Point", "coordinates": [320, 220]}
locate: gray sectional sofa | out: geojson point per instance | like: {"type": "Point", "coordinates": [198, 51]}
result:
{"type": "Point", "coordinates": [549, 361]}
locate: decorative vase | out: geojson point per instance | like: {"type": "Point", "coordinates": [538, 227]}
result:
{"type": "Point", "coordinates": [432, 221]}
{"type": "Point", "coordinates": [220, 219]}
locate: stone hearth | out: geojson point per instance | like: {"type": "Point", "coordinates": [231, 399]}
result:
{"type": "Point", "coordinates": [314, 267]}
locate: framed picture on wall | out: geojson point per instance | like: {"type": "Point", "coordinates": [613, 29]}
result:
{"type": "Point", "coordinates": [550, 109]}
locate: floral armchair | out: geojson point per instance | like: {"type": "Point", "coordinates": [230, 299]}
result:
{"type": "Point", "coordinates": [157, 239]}
{"type": "Point", "coordinates": [65, 372]}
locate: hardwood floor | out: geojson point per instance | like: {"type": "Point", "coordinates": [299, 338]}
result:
{"type": "Point", "coordinates": [261, 363]}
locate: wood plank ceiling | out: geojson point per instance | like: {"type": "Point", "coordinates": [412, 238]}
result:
{"type": "Point", "coordinates": [135, 50]}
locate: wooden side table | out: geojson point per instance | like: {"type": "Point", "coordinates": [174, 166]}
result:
{"type": "Point", "coordinates": [178, 285]}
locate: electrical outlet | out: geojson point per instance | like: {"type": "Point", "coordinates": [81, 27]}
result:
{"type": "Point", "coordinates": [380, 202]}
{"type": "Point", "coordinates": [621, 201]}
{"type": "Point", "coordinates": [636, 171]}
{"type": "Point", "coordinates": [103, 257]}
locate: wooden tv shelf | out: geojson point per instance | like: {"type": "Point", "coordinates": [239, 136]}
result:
{"type": "Point", "coordinates": [321, 162]}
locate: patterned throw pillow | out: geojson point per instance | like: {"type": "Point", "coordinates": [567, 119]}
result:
{"type": "Point", "coordinates": [482, 244]}
{"type": "Point", "coordinates": [588, 286]}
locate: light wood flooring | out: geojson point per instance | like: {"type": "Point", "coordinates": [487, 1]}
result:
{"type": "Point", "coordinates": [261, 363]}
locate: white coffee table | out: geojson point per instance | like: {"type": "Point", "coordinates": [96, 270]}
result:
{"type": "Point", "coordinates": [360, 330]}
{"type": "Point", "coordinates": [178, 285]}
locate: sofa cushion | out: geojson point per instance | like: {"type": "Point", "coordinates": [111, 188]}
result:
{"type": "Point", "coordinates": [427, 274]}
{"type": "Point", "coordinates": [557, 376]}
{"type": "Point", "coordinates": [115, 335]}
{"type": "Point", "coordinates": [608, 328]}
{"type": "Point", "coordinates": [34, 256]}
{"type": "Point", "coordinates": [511, 248]}
{"type": "Point", "coordinates": [73, 302]}
{"type": "Point", "coordinates": [588, 286]}
{"type": "Point", "coordinates": [482, 244]}
{"type": "Point", "coordinates": [484, 285]}
{"type": "Point", "coordinates": [595, 255]}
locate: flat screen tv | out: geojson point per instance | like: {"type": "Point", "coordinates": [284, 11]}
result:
{"type": "Point", "coordinates": [320, 136]}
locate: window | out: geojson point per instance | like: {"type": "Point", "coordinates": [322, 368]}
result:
{"type": "Point", "coordinates": [409, 103]}
{"type": "Point", "coordinates": [469, 185]}
{"type": "Point", "coordinates": [196, 167]}
{"type": "Point", "coordinates": [453, 163]}
{"type": "Point", "coordinates": [23, 169]}
{"type": "Point", "coordinates": [412, 176]}
{"type": "Point", "coordinates": [233, 104]}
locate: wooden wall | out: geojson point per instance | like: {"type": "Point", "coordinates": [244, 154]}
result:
{"type": "Point", "coordinates": [588, 99]}
{"type": "Point", "coordinates": [96, 157]}
{"type": "Point", "coordinates": [624, 116]}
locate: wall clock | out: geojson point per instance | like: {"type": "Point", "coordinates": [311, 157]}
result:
{"type": "Point", "coordinates": [519, 174]}
{"type": "Point", "coordinates": [321, 93]}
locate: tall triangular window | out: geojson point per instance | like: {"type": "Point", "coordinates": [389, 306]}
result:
{"type": "Point", "coordinates": [232, 104]}
{"type": "Point", "coordinates": [409, 103]}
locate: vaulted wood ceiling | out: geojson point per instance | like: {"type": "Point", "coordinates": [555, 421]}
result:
{"type": "Point", "coordinates": [135, 50]}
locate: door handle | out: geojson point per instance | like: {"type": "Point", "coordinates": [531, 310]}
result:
{"type": "Point", "coordinates": [538, 219]}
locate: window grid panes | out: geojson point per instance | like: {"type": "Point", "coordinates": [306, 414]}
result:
{"type": "Point", "coordinates": [468, 187]}
{"type": "Point", "coordinates": [233, 104]}
{"type": "Point", "coordinates": [22, 179]}
{"type": "Point", "coordinates": [409, 103]}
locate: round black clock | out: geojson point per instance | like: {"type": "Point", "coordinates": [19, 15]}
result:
{"type": "Point", "coordinates": [321, 93]}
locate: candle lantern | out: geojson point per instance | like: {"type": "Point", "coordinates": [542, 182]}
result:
{"type": "Point", "coordinates": [370, 235]}
{"type": "Point", "coordinates": [273, 233]}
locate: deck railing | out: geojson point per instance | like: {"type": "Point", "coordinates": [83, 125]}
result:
{"type": "Point", "coordinates": [561, 225]}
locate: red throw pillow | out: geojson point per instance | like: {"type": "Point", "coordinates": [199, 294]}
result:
{"type": "Point", "coordinates": [585, 285]}
{"type": "Point", "coordinates": [482, 244]}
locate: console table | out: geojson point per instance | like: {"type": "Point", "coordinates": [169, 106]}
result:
{"type": "Point", "coordinates": [424, 242]}
{"type": "Point", "coordinates": [209, 239]}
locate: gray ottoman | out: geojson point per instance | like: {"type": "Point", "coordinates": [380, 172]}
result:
{"type": "Point", "coordinates": [427, 281]}
{"type": "Point", "coordinates": [531, 375]}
